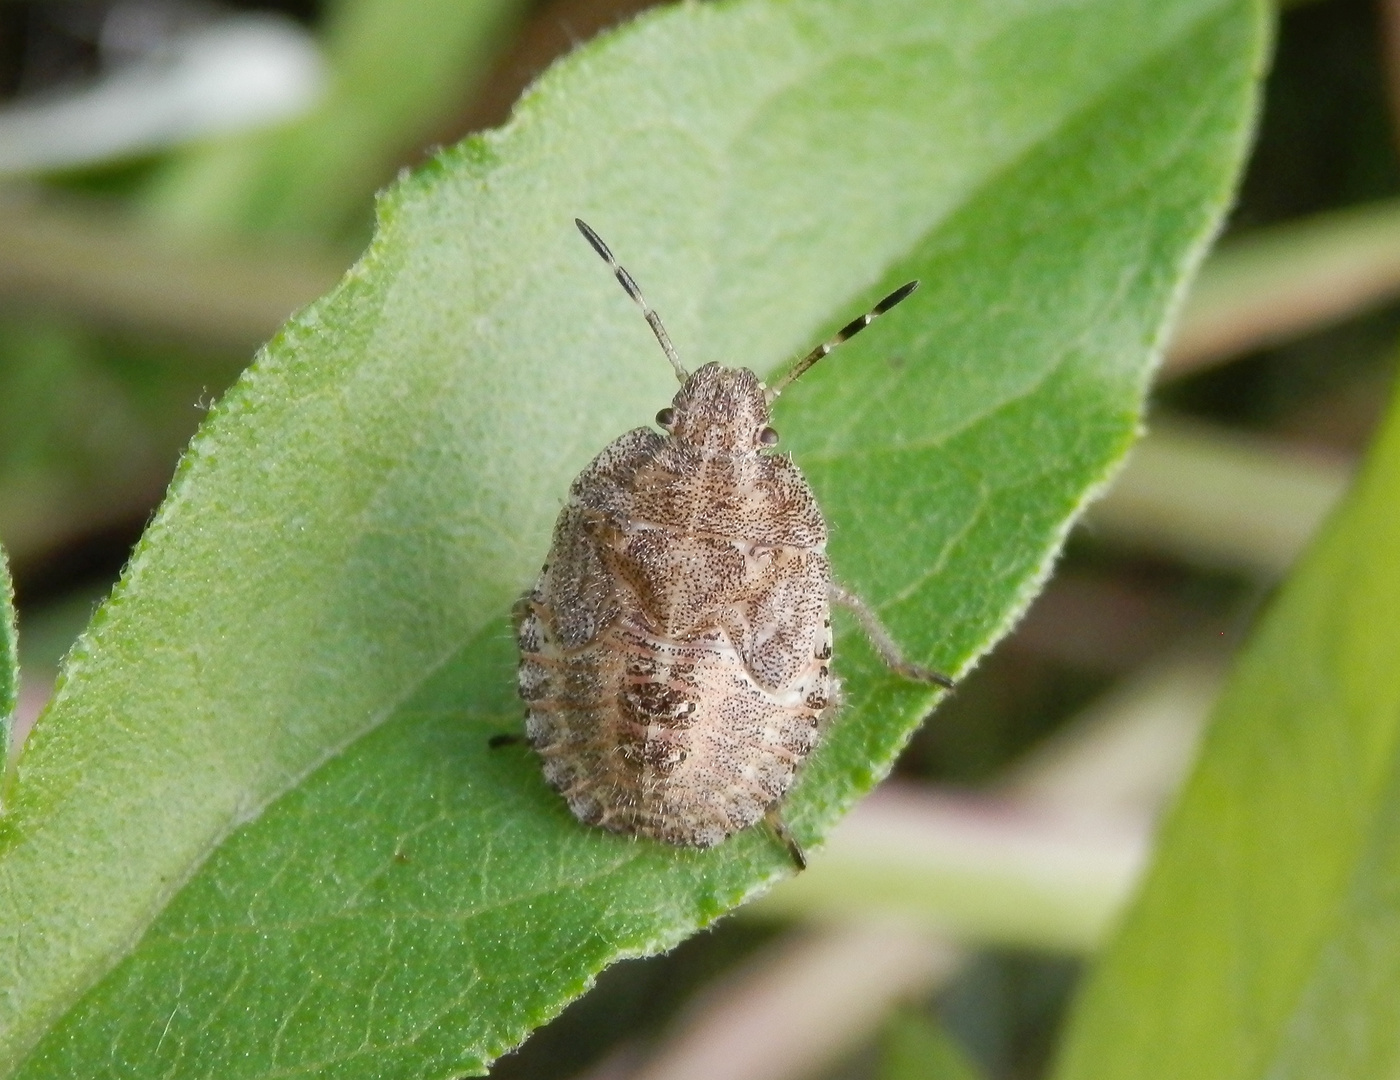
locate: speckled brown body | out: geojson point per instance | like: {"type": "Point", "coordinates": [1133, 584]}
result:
{"type": "Point", "coordinates": [675, 651]}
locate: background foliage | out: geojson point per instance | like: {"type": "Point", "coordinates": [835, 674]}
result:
{"type": "Point", "coordinates": [1290, 819]}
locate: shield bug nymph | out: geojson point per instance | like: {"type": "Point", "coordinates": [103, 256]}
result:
{"type": "Point", "coordinates": [675, 652]}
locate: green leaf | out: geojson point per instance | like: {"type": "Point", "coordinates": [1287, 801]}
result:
{"type": "Point", "coordinates": [259, 830]}
{"type": "Point", "coordinates": [9, 663]}
{"type": "Point", "coordinates": [1266, 941]}
{"type": "Point", "coordinates": [916, 1048]}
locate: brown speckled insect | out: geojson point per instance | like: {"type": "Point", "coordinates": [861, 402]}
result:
{"type": "Point", "coordinates": [675, 653]}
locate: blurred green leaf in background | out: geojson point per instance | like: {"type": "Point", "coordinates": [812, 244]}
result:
{"type": "Point", "coordinates": [1267, 938]}
{"type": "Point", "coordinates": [915, 1048]}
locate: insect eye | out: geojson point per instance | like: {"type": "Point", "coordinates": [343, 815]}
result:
{"type": "Point", "coordinates": [666, 417]}
{"type": "Point", "coordinates": [768, 437]}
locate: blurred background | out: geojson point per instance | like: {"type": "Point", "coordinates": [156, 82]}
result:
{"type": "Point", "coordinates": [177, 176]}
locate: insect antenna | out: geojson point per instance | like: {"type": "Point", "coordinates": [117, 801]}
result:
{"type": "Point", "coordinates": [630, 285]}
{"type": "Point", "coordinates": [850, 330]}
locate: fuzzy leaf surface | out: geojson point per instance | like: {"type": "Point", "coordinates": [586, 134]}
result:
{"type": "Point", "coordinates": [259, 831]}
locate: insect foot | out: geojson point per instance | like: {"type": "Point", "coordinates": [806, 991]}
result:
{"type": "Point", "coordinates": [675, 651]}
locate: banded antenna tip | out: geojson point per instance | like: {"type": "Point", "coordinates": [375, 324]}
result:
{"type": "Point", "coordinates": [850, 330]}
{"type": "Point", "coordinates": [630, 286]}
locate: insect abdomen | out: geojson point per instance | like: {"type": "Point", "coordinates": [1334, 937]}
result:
{"type": "Point", "coordinates": [670, 740]}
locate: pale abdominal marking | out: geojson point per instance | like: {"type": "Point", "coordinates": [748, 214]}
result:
{"type": "Point", "coordinates": [675, 652]}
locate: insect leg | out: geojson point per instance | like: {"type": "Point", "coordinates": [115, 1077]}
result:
{"type": "Point", "coordinates": [881, 639]}
{"type": "Point", "coordinates": [774, 820]}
